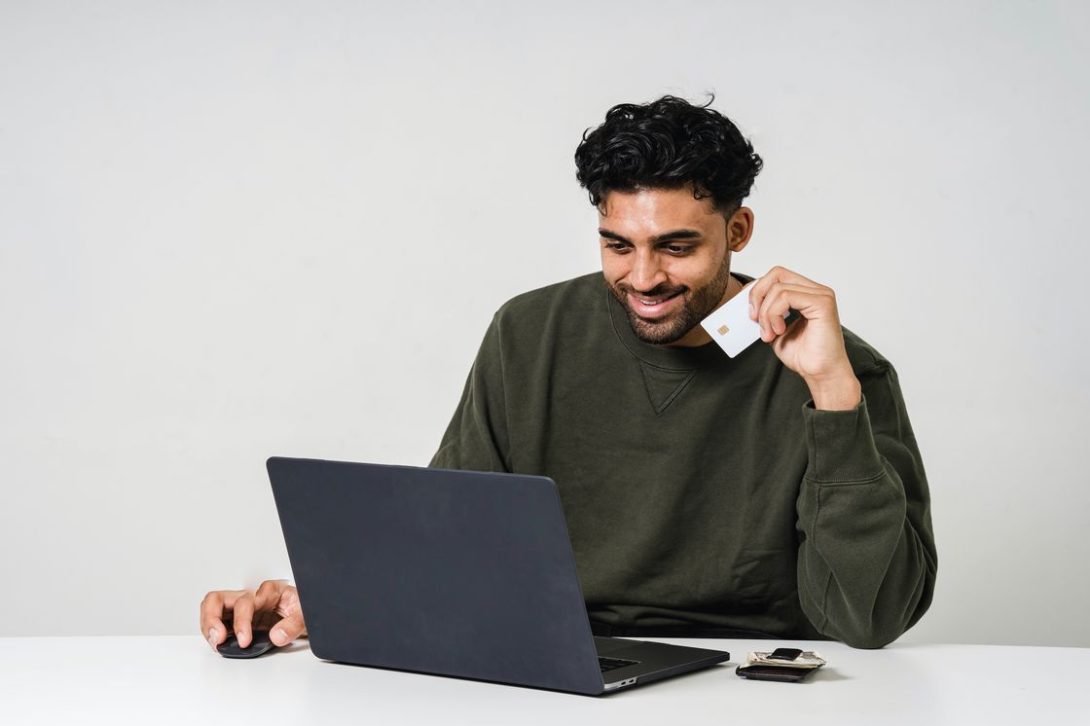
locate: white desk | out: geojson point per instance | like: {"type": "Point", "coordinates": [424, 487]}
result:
{"type": "Point", "coordinates": [179, 680]}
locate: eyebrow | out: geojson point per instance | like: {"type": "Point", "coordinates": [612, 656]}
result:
{"type": "Point", "coordinates": [665, 237]}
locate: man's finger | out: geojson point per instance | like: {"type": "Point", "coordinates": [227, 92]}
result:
{"type": "Point", "coordinates": [760, 288]}
{"type": "Point", "coordinates": [213, 607]}
{"type": "Point", "coordinates": [243, 620]}
{"type": "Point", "coordinates": [212, 628]}
{"type": "Point", "coordinates": [811, 302]}
{"type": "Point", "coordinates": [268, 595]}
{"type": "Point", "coordinates": [782, 274]}
{"type": "Point", "coordinates": [287, 630]}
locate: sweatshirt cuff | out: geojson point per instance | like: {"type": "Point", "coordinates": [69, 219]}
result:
{"type": "Point", "coordinates": [840, 445]}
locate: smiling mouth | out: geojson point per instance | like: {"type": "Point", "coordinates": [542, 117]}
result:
{"type": "Point", "coordinates": [653, 307]}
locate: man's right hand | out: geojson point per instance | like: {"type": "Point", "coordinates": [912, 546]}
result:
{"type": "Point", "coordinates": [274, 606]}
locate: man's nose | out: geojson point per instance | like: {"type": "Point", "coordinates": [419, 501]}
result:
{"type": "Point", "coordinates": [646, 272]}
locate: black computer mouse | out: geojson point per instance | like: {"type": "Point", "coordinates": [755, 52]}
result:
{"type": "Point", "coordinates": [260, 646]}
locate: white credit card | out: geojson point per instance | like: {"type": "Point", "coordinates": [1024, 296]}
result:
{"type": "Point", "coordinates": [730, 326]}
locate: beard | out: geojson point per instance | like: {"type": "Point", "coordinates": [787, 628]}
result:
{"type": "Point", "coordinates": [697, 305]}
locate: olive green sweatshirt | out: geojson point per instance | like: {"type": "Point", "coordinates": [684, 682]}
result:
{"type": "Point", "coordinates": [704, 494]}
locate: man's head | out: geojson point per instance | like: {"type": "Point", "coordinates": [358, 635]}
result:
{"type": "Point", "coordinates": [668, 179]}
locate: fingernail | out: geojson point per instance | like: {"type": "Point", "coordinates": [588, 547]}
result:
{"type": "Point", "coordinates": [212, 637]}
{"type": "Point", "coordinates": [751, 308]}
{"type": "Point", "coordinates": [280, 636]}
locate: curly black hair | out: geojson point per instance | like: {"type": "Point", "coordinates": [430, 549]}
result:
{"type": "Point", "coordinates": [668, 144]}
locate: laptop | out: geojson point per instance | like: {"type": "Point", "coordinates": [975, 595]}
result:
{"type": "Point", "coordinates": [454, 573]}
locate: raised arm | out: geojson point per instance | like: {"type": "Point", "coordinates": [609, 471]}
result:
{"type": "Point", "coordinates": [867, 561]}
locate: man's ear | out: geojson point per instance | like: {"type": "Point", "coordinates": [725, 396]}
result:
{"type": "Point", "coordinates": [739, 229]}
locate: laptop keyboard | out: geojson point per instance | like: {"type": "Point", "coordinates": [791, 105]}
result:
{"type": "Point", "coordinates": [609, 664]}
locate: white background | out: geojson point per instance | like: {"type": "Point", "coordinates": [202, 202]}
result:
{"type": "Point", "coordinates": [231, 230]}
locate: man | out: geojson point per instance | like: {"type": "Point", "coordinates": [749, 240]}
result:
{"type": "Point", "coordinates": [778, 493]}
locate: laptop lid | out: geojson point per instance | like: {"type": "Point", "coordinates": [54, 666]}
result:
{"type": "Point", "coordinates": [456, 573]}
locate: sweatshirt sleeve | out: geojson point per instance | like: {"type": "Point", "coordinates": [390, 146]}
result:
{"type": "Point", "coordinates": [476, 438]}
{"type": "Point", "coordinates": [867, 559]}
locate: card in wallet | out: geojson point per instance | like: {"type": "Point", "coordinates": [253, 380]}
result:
{"type": "Point", "coordinates": [789, 665]}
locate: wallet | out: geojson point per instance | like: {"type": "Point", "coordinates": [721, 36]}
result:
{"type": "Point", "coordinates": [790, 665]}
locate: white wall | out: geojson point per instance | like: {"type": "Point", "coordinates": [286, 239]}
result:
{"type": "Point", "coordinates": [242, 229]}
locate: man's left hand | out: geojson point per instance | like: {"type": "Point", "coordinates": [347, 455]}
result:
{"type": "Point", "coordinates": [813, 345]}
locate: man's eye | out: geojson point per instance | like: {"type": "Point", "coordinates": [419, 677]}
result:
{"type": "Point", "coordinates": [617, 246]}
{"type": "Point", "coordinates": [677, 249]}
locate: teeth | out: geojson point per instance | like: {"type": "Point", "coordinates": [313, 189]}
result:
{"type": "Point", "coordinates": [651, 302]}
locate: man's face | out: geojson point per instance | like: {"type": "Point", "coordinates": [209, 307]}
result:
{"type": "Point", "coordinates": [666, 258]}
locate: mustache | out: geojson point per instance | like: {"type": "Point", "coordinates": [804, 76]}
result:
{"type": "Point", "coordinates": [658, 290]}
